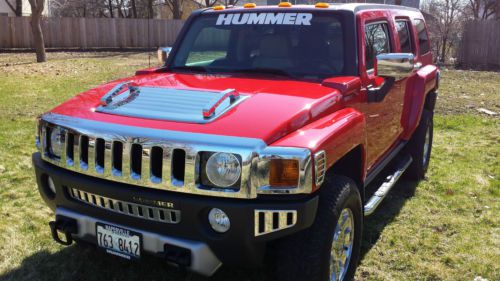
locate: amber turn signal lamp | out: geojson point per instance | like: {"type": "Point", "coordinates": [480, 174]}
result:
{"type": "Point", "coordinates": [283, 173]}
{"type": "Point", "coordinates": [249, 5]}
{"type": "Point", "coordinates": [219, 8]}
{"type": "Point", "coordinates": [285, 5]}
{"type": "Point", "coordinates": [322, 5]}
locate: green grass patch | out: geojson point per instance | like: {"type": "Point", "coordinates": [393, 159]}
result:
{"type": "Point", "coordinates": [444, 228]}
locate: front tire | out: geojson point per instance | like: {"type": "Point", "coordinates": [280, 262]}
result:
{"type": "Point", "coordinates": [330, 248]}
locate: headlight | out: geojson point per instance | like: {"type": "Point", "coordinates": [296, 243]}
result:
{"type": "Point", "coordinates": [223, 169]}
{"type": "Point", "coordinates": [56, 142]}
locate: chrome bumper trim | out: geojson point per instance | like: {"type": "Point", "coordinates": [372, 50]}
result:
{"type": "Point", "coordinates": [203, 259]}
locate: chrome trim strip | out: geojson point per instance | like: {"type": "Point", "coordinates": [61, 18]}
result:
{"type": "Point", "coordinates": [255, 155]}
{"type": "Point", "coordinates": [388, 184]}
{"type": "Point", "coordinates": [123, 207]}
{"type": "Point", "coordinates": [285, 219]}
{"type": "Point", "coordinates": [203, 260]}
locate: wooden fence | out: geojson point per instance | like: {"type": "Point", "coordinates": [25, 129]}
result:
{"type": "Point", "coordinates": [480, 46]}
{"type": "Point", "coordinates": [15, 32]}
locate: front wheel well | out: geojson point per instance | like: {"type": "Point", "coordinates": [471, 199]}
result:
{"type": "Point", "coordinates": [351, 166]}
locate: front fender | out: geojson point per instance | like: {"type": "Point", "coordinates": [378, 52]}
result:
{"type": "Point", "coordinates": [417, 88]}
{"type": "Point", "coordinates": [336, 134]}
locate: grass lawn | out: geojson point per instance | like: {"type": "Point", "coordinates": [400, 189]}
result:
{"type": "Point", "coordinates": [446, 227]}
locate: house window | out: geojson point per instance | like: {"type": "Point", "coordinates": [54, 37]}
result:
{"type": "Point", "coordinates": [423, 40]}
{"type": "Point", "coordinates": [377, 42]}
{"type": "Point", "coordinates": [404, 36]}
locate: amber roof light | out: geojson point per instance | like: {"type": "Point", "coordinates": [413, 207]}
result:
{"type": "Point", "coordinates": [249, 5]}
{"type": "Point", "coordinates": [322, 5]}
{"type": "Point", "coordinates": [285, 5]}
{"type": "Point", "coordinates": [219, 8]}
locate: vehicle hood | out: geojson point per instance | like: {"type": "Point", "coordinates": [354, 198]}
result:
{"type": "Point", "coordinates": [273, 107]}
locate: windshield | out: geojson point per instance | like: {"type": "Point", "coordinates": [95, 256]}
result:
{"type": "Point", "coordinates": [304, 45]}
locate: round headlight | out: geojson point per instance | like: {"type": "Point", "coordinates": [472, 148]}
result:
{"type": "Point", "coordinates": [56, 142]}
{"type": "Point", "coordinates": [223, 169]}
{"type": "Point", "coordinates": [218, 220]}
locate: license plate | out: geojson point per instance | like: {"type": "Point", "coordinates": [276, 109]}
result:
{"type": "Point", "coordinates": [119, 241]}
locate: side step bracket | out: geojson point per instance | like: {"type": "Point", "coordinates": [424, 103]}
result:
{"type": "Point", "coordinates": [388, 184]}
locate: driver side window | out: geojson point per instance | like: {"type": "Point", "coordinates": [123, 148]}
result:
{"type": "Point", "coordinates": [376, 42]}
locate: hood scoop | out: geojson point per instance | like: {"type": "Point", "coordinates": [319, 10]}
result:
{"type": "Point", "coordinates": [191, 106]}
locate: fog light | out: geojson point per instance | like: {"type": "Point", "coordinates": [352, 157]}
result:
{"type": "Point", "coordinates": [51, 185]}
{"type": "Point", "coordinates": [219, 220]}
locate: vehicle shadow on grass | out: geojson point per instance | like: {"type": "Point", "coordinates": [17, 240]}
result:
{"type": "Point", "coordinates": [386, 213]}
{"type": "Point", "coordinates": [86, 262]}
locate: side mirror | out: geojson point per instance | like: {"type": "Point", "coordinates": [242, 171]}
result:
{"type": "Point", "coordinates": [395, 65]}
{"type": "Point", "coordinates": [163, 53]}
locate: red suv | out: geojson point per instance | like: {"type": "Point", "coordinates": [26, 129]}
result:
{"type": "Point", "coordinates": [258, 138]}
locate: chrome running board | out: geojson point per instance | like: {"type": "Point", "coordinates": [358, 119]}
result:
{"type": "Point", "coordinates": [388, 184]}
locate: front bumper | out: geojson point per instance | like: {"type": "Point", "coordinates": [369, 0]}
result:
{"type": "Point", "coordinates": [237, 247]}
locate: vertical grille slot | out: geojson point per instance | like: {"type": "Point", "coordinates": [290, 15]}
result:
{"type": "Point", "coordinates": [156, 164]}
{"type": "Point", "coordinates": [99, 155]}
{"type": "Point", "coordinates": [269, 221]}
{"type": "Point", "coordinates": [84, 152]}
{"type": "Point", "coordinates": [178, 164]}
{"type": "Point", "coordinates": [320, 167]}
{"type": "Point", "coordinates": [70, 146]}
{"type": "Point", "coordinates": [136, 161]}
{"type": "Point", "coordinates": [117, 156]}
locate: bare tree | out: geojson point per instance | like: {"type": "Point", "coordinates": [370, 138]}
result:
{"type": "Point", "coordinates": [16, 7]}
{"type": "Point", "coordinates": [37, 7]}
{"type": "Point", "coordinates": [175, 7]}
{"type": "Point", "coordinates": [448, 25]}
{"type": "Point", "coordinates": [483, 9]}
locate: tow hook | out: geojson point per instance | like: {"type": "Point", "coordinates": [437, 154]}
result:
{"type": "Point", "coordinates": [65, 225]}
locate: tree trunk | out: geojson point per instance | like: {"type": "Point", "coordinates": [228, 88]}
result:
{"type": "Point", "coordinates": [110, 8]}
{"type": "Point", "coordinates": [176, 11]}
{"type": "Point", "coordinates": [150, 9]}
{"type": "Point", "coordinates": [134, 9]}
{"type": "Point", "coordinates": [443, 49]}
{"type": "Point", "coordinates": [38, 38]}
{"type": "Point", "coordinates": [19, 8]}
{"type": "Point", "coordinates": [37, 7]}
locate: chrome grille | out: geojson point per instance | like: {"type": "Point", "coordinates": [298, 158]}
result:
{"type": "Point", "coordinates": [132, 161]}
{"type": "Point", "coordinates": [164, 159]}
{"type": "Point", "coordinates": [320, 167]}
{"type": "Point", "coordinates": [269, 221]}
{"type": "Point", "coordinates": [126, 208]}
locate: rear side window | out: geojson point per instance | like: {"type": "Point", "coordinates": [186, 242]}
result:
{"type": "Point", "coordinates": [423, 40]}
{"type": "Point", "coordinates": [404, 36]}
{"type": "Point", "coordinates": [377, 42]}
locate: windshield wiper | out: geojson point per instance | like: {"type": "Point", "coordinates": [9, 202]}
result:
{"type": "Point", "coordinates": [265, 70]}
{"type": "Point", "coordinates": [196, 68]}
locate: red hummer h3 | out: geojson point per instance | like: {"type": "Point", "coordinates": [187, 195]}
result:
{"type": "Point", "coordinates": [255, 144]}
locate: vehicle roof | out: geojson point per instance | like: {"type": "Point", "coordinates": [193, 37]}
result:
{"type": "Point", "coordinates": [350, 7]}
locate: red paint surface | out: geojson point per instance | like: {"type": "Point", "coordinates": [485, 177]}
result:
{"type": "Point", "coordinates": [275, 108]}
{"type": "Point", "coordinates": [333, 115]}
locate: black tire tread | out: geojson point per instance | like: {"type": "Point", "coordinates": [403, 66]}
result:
{"type": "Point", "coordinates": [307, 247]}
